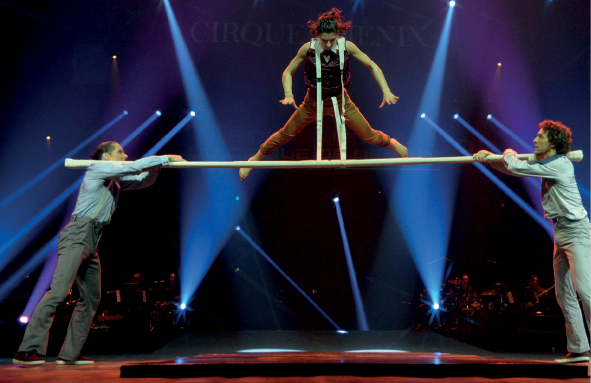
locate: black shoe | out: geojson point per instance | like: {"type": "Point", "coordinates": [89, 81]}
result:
{"type": "Point", "coordinates": [79, 361]}
{"type": "Point", "coordinates": [28, 358]}
{"type": "Point", "coordinates": [574, 357]}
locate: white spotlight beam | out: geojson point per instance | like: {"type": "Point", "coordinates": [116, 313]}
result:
{"type": "Point", "coordinates": [576, 156]}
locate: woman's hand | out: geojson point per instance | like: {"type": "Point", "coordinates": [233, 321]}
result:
{"type": "Point", "coordinates": [289, 101]}
{"type": "Point", "coordinates": [389, 99]}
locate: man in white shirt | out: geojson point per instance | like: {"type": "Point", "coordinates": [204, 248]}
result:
{"type": "Point", "coordinates": [77, 252]}
{"type": "Point", "coordinates": [562, 204]}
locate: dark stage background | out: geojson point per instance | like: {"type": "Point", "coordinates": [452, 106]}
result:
{"type": "Point", "coordinates": [58, 80]}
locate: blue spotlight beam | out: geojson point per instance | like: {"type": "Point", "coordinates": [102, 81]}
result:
{"type": "Point", "coordinates": [168, 136]}
{"type": "Point", "coordinates": [257, 247]}
{"type": "Point", "coordinates": [421, 197]}
{"type": "Point", "coordinates": [17, 278]}
{"type": "Point", "coordinates": [46, 275]}
{"type": "Point", "coordinates": [60, 161]}
{"type": "Point", "coordinates": [522, 142]}
{"type": "Point", "coordinates": [495, 150]}
{"type": "Point", "coordinates": [204, 194]}
{"type": "Point", "coordinates": [528, 209]}
{"type": "Point", "coordinates": [361, 318]}
{"type": "Point", "coordinates": [6, 255]}
{"type": "Point", "coordinates": [431, 100]}
{"type": "Point", "coordinates": [528, 146]}
{"type": "Point", "coordinates": [139, 129]}
{"type": "Point", "coordinates": [477, 134]}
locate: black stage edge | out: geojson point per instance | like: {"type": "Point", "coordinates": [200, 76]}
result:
{"type": "Point", "coordinates": [364, 364]}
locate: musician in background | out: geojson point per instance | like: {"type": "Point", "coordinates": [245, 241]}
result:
{"type": "Point", "coordinates": [536, 297]}
{"type": "Point", "coordinates": [533, 289]}
{"type": "Point", "coordinates": [173, 288]}
{"type": "Point", "coordinates": [464, 290]}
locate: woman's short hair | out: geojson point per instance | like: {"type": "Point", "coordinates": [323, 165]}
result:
{"type": "Point", "coordinates": [330, 22]}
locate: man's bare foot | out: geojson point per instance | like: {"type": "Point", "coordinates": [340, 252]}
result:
{"type": "Point", "coordinates": [400, 149]}
{"type": "Point", "coordinates": [245, 172]}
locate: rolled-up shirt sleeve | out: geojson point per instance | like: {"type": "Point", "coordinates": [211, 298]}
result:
{"type": "Point", "coordinates": [560, 195]}
{"type": "Point", "coordinates": [135, 175]}
{"type": "Point", "coordinates": [542, 168]}
{"type": "Point", "coordinates": [98, 183]}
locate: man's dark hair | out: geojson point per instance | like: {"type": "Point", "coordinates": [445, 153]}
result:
{"type": "Point", "coordinates": [105, 147]}
{"type": "Point", "coordinates": [558, 134]}
{"type": "Point", "coordinates": [330, 22]}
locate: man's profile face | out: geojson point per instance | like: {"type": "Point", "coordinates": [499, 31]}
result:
{"type": "Point", "coordinates": [116, 154]}
{"type": "Point", "coordinates": [543, 146]}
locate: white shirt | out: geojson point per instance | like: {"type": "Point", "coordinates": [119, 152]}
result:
{"type": "Point", "coordinates": [560, 194]}
{"type": "Point", "coordinates": [102, 177]}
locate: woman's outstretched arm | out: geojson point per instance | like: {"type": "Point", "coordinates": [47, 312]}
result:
{"type": "Point", "coordinates": [389, 98]}
{"type": "Point", "coordinates": [289, 71]}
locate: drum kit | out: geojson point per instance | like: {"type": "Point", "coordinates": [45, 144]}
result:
{"type": "Point", "coordinates": [487, 309]}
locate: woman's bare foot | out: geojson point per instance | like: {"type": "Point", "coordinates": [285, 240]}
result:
{"type": "Point", "coordinates": [245, 172]}
{"type": "Point", "coordinates": [400, 149]}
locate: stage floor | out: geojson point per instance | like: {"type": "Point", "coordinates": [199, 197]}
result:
{"type": "Point", "coordinates": [313, 356]}
{"type": "Point", "coordinates": [360, 364]}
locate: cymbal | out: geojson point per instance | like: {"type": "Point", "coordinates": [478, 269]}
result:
{"type": "Point", "coordinates": [455, 281]}
{"type": "Point", "coordinates": [498, 284]}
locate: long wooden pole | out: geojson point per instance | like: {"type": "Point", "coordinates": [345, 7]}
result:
{"type": "Point", "coordinates": [576, 156]}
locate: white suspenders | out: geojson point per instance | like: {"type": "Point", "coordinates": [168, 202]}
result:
{"type": "Point", "coordinates": [340, 117]}
{"type": "Point", "coordinates": [101, 203]}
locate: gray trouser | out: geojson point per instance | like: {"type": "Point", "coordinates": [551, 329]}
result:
{"type": "Point", "coordinates": [572, 269]}
{"type": "Point", "coordinates": [77, 260]}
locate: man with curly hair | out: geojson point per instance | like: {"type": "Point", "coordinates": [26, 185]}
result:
{"type": "Point", "coordinates": [326, 75]}
{"type": "Point", "coordinates": [562, 204]}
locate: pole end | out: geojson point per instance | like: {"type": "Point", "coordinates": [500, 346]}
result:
{"type": "Point", "coordinates": [575, 155]}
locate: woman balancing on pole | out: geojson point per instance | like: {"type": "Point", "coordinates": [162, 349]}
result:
{"type": "Point", "coordinates": [333, 54]}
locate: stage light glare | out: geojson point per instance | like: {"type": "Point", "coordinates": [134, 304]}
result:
{"type": "Point", "coordinates": [336, 199]}
{"type": "Point", "coordinates": [452, 3]}
{"type": "Point", "coordinates": [378, 351]}
{"type": "Point", "coordinates": [456, 116]}
{"type": "Point", "coordinates": [237, 228]}
{"type": "Point", "coordinates": [489, 117]}
{"type": "Point", "coordinates": [237, 198]}
{"type": "Point", "coordinates": [114, 57]}
{"type": "Point", "coordinates": [158, 113]}
{"type": "Point", "coordinates": [256, 350]}
{"type": "Point", "coordinates": [23, 319]}
{"type": "Point", "coordinates": [183, 306]}
{"type": "Point", "coordinates": [125, 112]}
{"type": "Point", "coordinates": [436, 306]}
{"type": "Point", "coordinates": [423, 115]}
{"type": "Point", "coordinates": [342, 332]}
{"type": "Point", "coordinates": [192, 113]}
{"type": "Point", "coordinates": [48, 138]}
{"type": "Point", "coordinates": [499, 64]}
